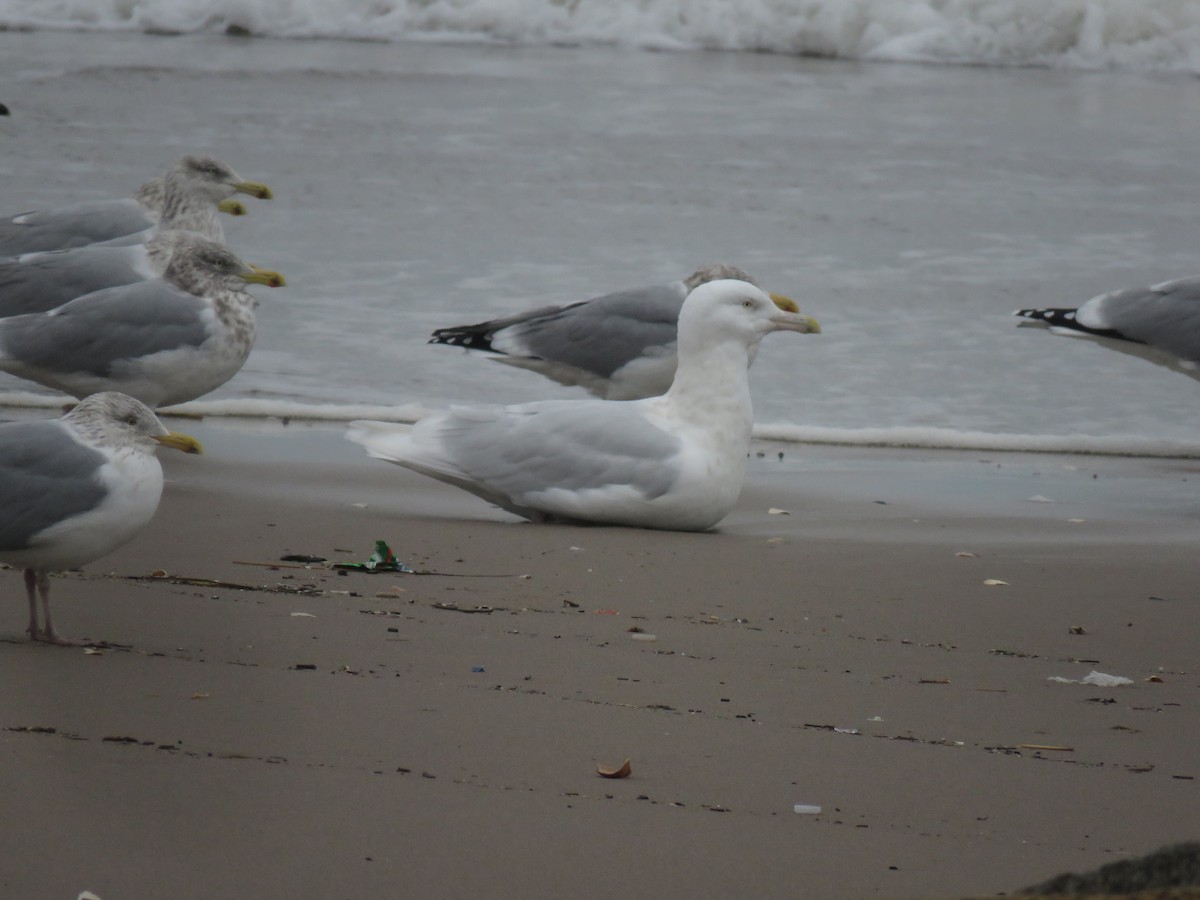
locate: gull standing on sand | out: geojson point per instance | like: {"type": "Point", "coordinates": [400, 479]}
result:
{"type": "Point", "coordinates": [163, 341]}
{"type": "Point", "coordinates": [77, 488]}
{"type": "Point", "coordinates": [40, 281]}
{"type": "Point", "coordinates": [674, 461]}
{"type": "Point", "coordinates": [619, 347]}
{"type": "Point", "coordinates": [123, 221]}
{"type": "Point", "coordinates": [1160, 323]}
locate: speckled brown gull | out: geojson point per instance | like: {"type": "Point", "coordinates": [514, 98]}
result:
{"type": "Point", "coordinates": [163, 341]}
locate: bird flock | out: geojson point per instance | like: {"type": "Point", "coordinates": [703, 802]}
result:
{"type": "Point", "coordinates": [134, 304]}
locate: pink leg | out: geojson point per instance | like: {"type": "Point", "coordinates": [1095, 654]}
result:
{"type": "Point", "coordinates": [31, 593]}
{"type": "Point", "coordinates": [49, 635]}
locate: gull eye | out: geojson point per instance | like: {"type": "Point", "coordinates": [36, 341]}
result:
{"type": "Point", "coordinates": [747, 303]}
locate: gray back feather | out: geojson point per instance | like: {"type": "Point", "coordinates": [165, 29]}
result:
{"type": "Point", "coordinates": [92, 333]}
{"type": "Point", "coordinates": [45, 476]}
{"type": "Point", "coordinates": [47, 281]}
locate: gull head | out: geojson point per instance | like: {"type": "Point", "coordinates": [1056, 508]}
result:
{"type": "Point", "coordinates": [199, 265]}
{"type": "Point", "coordinates": [729, 308]}
{"type": "Point", "coordinates": [204, 174]}
{"type": "Point", "coordinates": [117, 420]}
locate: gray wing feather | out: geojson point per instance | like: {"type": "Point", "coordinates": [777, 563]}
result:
{"type": "Point", "coordinates": [598, 336]}
{"type": "Point", "coordinates": [602, 335]}
{"type": "Point", "coordinates": [48, 280]}
{"type": "Point", "coordinates": [92, 333]}
{"type": "Point", "coordinates": [573, 445]}
{"type": "Point", "coordinates": [1166, 316]}
{"type": "Point", "coordinates": [45, 476]}
{"type": "Point", "coordinates": [74, 226]}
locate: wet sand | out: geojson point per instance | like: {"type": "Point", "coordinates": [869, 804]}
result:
{"type": "Point", "coordinates": [290, 732]}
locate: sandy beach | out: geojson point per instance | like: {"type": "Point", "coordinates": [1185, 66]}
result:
{"type": "Point", "coordinates": [872, 633]}
{"type": "Point", "coordinates": [288, 732]}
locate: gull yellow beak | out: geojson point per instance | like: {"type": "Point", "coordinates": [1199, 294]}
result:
{"type": "Point", "coordinates": [264, 276]}
{"type": "Point", "coordinates": [181, 442]}
{"type": "Point", "coordinates": [787, 304]}
{"type": "Point", "coordinates": [232, 207]}
{"type": "Point", "coordinates": [254, 189]}
{"type": "Point", "coordinates": [795, 321]}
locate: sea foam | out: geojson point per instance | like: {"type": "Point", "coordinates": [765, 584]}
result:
{"type": "Point", "coordinates": [1159, 35]}
{"type": "Point", "coordinates": [262, 410]}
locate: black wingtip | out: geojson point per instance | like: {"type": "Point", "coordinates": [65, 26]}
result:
{"type": "Point", "coordinates": [1064, 318]}
{"type": "Point", "coordinates": [465, 337]}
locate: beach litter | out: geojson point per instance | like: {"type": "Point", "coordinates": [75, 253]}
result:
{"type": "Point", "coordinates": [621, 771]}
{"type": "Point", "coordinates": [1094, 678]}
{"type": "Point", "coordinates": [382, 560]}
{"type": "Point", "coordinates": [806, 809]}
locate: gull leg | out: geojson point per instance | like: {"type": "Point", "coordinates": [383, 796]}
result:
{"type": "Point", "coordinates": [31, 593]}
{"type": "Point", "coordinates": [49, 635]}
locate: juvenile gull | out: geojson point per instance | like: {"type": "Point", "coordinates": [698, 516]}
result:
{"type": "Point", "coordinates": [1160, 323]}
{"type": "Point", "coordinates": [40, 281]}
{"type": "Point", "coordinates": [620, 346]}
{"type": "Point", "coordinates": [674, 461]}
{"type": "Point", "coordinates": [76, 488]}
{"type": "Point", "coordinates": [163, 341]}
{"type": "Point", "coordinates": [121, 220]}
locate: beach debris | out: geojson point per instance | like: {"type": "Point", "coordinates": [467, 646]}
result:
{"type": "Point", "coordinates": [606, 612]}
{"type": "Point", "coordinates": [993, 582]}
{"type": "Point", "coordinates": [478, 669]}
{"type": "Point", "coordinates": [776, 511]}
{"type": "Point", "coordinates": [643, 636]}
{"type": "Point", "coordinates": [302, 558]}
{"type": "Point", "coordinates": [1046, 747]}
{"type": "Point", "coordinates": [931, 681]}
{"type": "Point", "coordinates": [805, 809]}
{"type": "Point", "coordinates": [216, 583]}
{"type": "Point", "coordinates": [964, 554]}
{"type": "Point", "coordinates": [302, 615]}
{"type": "Point", "coordinates": [1076, 629]}
{"type": "Point", "coordinates": [382, 560]}
{"type": "Point", "coordinates": [1094, 678]}
{"type": "Point", "coordinates": [87, 895]}
{"type": "Point", "coordinates": [454, 607]}
{"type": "Point", "coordinates": [1155, 679]}
{"type": "Point", "coordinates": [775, 540]}
{"type": "Point", "coordinates": [622, 771]}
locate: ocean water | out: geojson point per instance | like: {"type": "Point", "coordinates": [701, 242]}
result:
{"type": "Point", "coordinates": [441, 163]}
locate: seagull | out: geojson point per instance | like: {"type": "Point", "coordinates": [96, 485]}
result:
{"type": "Point", "coordinates": [163, 341]}
{"type": "Point", "coordinates": [618, 347]}
{"type": "Point", "coordinates": [121, 220]}
{"type": "Point", "coordinates": [1160, 323]}
{"type": "Point", "coordinates": [40, 281]}
{"type": "Point", "coordinates": [673, 462]}
{"type": "Point", "coordinates": [77, 488]}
